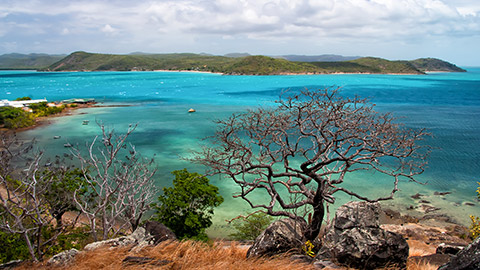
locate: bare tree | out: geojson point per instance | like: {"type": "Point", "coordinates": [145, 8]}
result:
{"type": "Point", "coordinates": [121, 181]}
{"type": "Point", "coordinates": [306, 146]}
{"type": "Point", "coordinates": [23, 209]}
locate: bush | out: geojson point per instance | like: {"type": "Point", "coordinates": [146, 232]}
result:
{"type": "Point", "coordinates": [13, 247]}
{"type": "Point", "coordinates": [475, 225]}
{"type": "Point", "coordinates": [251, 227]}
{"type": "Point", "coordinates": [15, 118]}
{"type": "Point", "coordinates": [187, 207]}
{"type": "Point", "coordinates": [23, 98]}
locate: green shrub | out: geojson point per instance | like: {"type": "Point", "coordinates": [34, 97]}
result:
{"type": "Point", "coordinates": [12, 247]}
{"type": "Point", "coordinates": [251, 227]}
{"type": "Point", "coordinates": [15, 118]}
{"type": "Point", "coordinates": [475, 225]}
{"type": "Point", "coordinates": [187, 207]}
{"type": "Point", "coordinates": [23, 98]}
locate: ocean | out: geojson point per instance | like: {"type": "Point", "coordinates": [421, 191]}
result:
{"type": "Point", "coordinates": [446, 104]}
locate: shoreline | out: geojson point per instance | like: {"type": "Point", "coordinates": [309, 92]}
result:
{"type": "Point", "coordinates": [68, 111]}
{"type": "Point", "coordinates": [228, 74]}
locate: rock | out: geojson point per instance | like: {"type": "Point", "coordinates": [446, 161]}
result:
{"type": "Point", "coordinates": [468, 258]}
{"type": "Point", "coordinates": [429, 208]}
{"type": "Point", "coordinates": [11, 264]}
{"type": "Point", "coordinates": [432, 259]}
{"type": "Point", "coordinates": [63, 258]}
{"type": "Point", "coordinates": [151, 234]}
{"type": "Point", "coordinates": [468, 204]}
{"type": "Point", "coordinates": [159, 232]}
{"type": "Point", "coordinates": [279, 237]}
{"type": "Point", "coordinates": [301, 258]}
{"type": "Point", "coordinates": [357, 214]}
{"type": "Point", "coordinates": [137, 238]}
{"type": "Point", "coordinates": [424, 201]}
{"type": "Point", "coordinates": [325, 264]}
{"type": "Point", "coordinates": [356, 239]}
{"type": "Point", "coordinates": [416, 196]}
{"type": "Point", "coordinates": [450, 248]}
{"type": "Point", "coordinates": [441, 193]}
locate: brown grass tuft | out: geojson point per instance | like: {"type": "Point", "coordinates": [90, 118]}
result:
{"type": "Point", "coordinates": [420, 266]}
{"type": "Point", "coordinates": [178, 255]}
{"type": "Point", "coordinates": [420, 248]}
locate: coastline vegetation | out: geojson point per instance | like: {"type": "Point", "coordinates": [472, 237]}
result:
{"type": "Point", "coordinates": [247, 65]}
{"type": "Point", "coordinates": [14, 118]}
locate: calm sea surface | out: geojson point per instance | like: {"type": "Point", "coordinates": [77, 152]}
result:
{"type": "Point", "coordinates": [447, 104]}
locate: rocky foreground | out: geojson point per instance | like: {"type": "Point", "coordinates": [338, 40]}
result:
{"type": "Point", "coordinates": [361, 236]}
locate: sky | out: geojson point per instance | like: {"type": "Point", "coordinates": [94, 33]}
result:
{"type": "Point", "coordinates": [391, 29]}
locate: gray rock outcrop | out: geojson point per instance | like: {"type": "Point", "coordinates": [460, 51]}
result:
{"type": "Point", "coordinates": [281, 236]}
{"type": "Point", "coordinates": [63, 258]}
{"type": "Point", "coordinates": [467, 259]}
{"type": "Point", "coordinates": [159, 232]}
{"type": "Point", "coordinates": [356, 239]}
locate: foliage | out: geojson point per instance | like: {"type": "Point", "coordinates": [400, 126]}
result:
{"type": "Point", "coordinates": [62, 185]}
{"type": "Point", "coordinates": [306, 146]}
{"type": "Point", "coordinates": [23, 98]}
{"type": "Point", "coordinates": [248, 65]}
{"type": "Point", "coordinates": [42, 109]}
{"type": "Point", "coordinates": [12, 247]}
{"type": "Point", "coordinates": [432, 64]}
{"type": "Point", "coordinates": [251, 227]}
{"type": "Point", "coordinates": [379, 65]}
{"type": "Point", "coordinates": [13, 118]}
{"type": "Point", "coordinates": [187, 207]}
{"type": "Point", "coordinates": [475, 221]}
{"type": "Point", "coordinates": [308, 249]}
{"type": "Point", "coordinates": [474, 226]}
{"type": "Point", "coordinates": [27, 61]}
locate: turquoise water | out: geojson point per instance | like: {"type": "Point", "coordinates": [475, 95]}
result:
{"type": "Point", "coordinates": [447, 104]}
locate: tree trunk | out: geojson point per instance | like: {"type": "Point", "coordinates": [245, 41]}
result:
{"type": "Point", "coordinates": [315, 225]}
{"type": "Point", "coordinates": [30, 247]}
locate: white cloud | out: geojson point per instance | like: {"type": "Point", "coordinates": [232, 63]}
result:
{"type": "Point", "coordinates": [107, 28]}
{"type": "Point", "coordinates": [171, 25]}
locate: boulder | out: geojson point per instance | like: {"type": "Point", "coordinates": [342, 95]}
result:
{"type": "Point", "coordinates": [467, 259]}
{"type": "Point", "coordinates": [159, 232]}
{"type": "Point", "coordinates": [63, 258]}
{"type": "Point", "coordinates": [450, 248]}
{"type": "Point", "coordinates": [151, 233]}
{"type": "Point", "coordinates": [281, 236]}
{"type": "Point", "coordinates": [355, 239]}
{"type": "Point", "coordinates": [139, 236]}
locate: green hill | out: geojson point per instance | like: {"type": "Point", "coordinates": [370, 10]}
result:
{"type": "Point", "coordinates": [433, 64]}
{"type": "Point", "coordinates": [27, 61]}
{"type": "Point", "coordinates": [247, 65]}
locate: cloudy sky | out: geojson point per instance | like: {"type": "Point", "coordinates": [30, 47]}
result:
{"type": "Point", "coordinates": [392, 29]}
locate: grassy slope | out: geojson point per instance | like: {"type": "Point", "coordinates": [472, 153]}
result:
{"type": "Point", "coordinates": [27, 61]}
{"type": "Point", "coordinates": [249, 65]}
{"type": "Point", "coordinates": [433, 64]}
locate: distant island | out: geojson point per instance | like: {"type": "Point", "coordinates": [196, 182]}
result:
{"type": "Point", "coordinates": [231, 64]}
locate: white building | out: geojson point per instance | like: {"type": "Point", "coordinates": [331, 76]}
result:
{"type": "Point", "coordinates": [20, 103]}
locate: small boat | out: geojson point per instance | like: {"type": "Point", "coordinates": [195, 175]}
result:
{"type": "Point", "coordinates": [57, 137]}
{"type": "Point", "coordinates": [85, 122]}
{"type": "Point", "coordinates": [67, 145]}
{"type": "Point", "coordinates": [192, 110]}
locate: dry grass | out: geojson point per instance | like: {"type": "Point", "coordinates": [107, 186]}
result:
{"type": "Point", "coordinates": [420, 248]}
{"type": "Point", "coordinates": [198, 255]}
{"type": "Point", "coordinates": [420, 266]}
{"type": "Point", "coordinates": [178, 255]}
